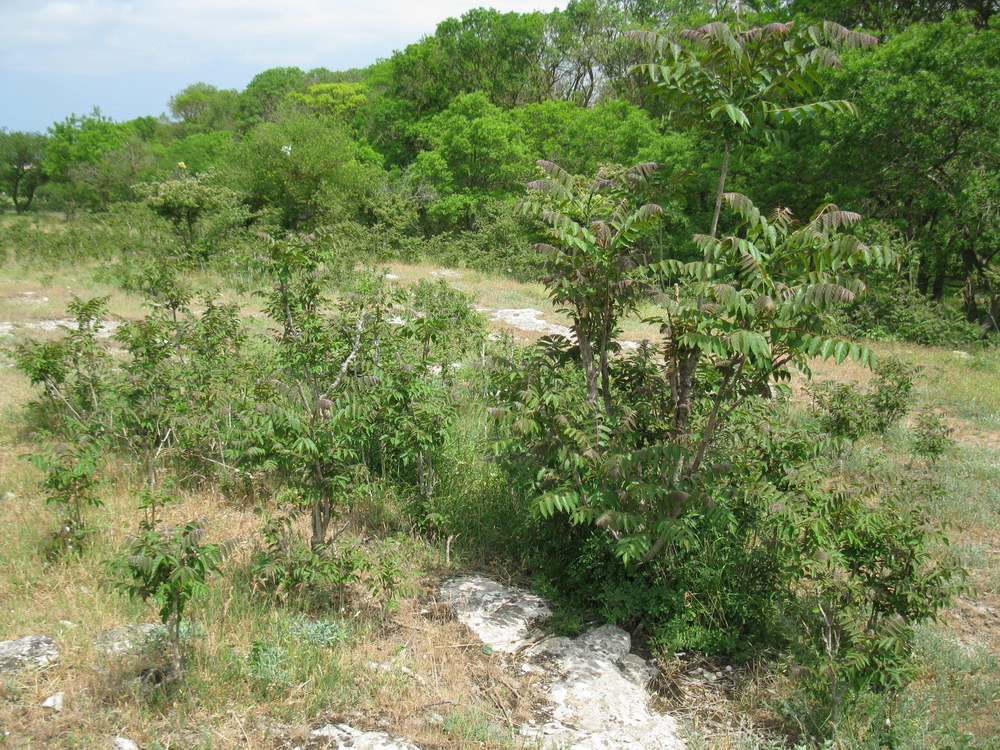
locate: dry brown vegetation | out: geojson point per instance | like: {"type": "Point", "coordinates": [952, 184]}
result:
{"type": "Point", "coordinates": [411, 671]}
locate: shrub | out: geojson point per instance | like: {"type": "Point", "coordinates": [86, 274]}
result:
{"type": "Point", "coordinates": [846, 411]}
{"type": "Point", "coordinates": [931, 437]}
{"type": "Point", "coordinates": [70, 484]}
{"type": "Point", "coordinates": [907, 315]}
{"type": "Point", "coordinates": [286, 565]}
{"type": "Point", "coordinates": [169, 566]}
{"type": "Point", "coordinates": [867, 570]}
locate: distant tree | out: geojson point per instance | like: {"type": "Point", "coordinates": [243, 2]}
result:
{"type": "Point", "coordinates": [80, 140]}
{"type": "Point", "coordinates": [112, 176]}
{"type": "Point", "coordinates": [305, 168]}
{"type": "Point", "coordinates": [147, 127]}
{"type": "Point", "coordinates": [341, 101]}
{"type": "Point", "coordinates": [484, 50]}
{"type": "Point", "coordinates": [926, 154]}
{"type": "Point", "coordinates": [199, 151]}
{"type": "Point", "coordinates": [261, 100]}
{"type": "Point", "coordinates": [185, 203]}
{"type": "Point", "coordinates": [581, 139]}
{"type": "Point", "coordinates": [475, 152]}
{"type": "Point", "coordinates": [891, 15]}
{"type": "Point", "coordinates": [205, 106]}
{"type": "Point", "coordinates": [21, 172]}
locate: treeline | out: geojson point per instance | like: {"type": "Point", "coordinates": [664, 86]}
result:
{"type": "Point", "coordinates": [426, 153]}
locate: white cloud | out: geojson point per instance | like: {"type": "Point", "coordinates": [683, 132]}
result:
{"type": "Point", "coordinates": [99, 37]}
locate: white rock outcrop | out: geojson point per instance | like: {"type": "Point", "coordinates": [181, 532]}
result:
{"type": "Point", "coordinates": [30, 651]}
{"type": "Point", "coordinates": [595, 686]}
{"type": "Point", "coordinates": [342, 736]}
{"type": "Point", "coordinates": [500, 615]}
{"type": "Point", "coordinates": [529, 319]}
{"type": "Point", "coordinates": [54, 702]}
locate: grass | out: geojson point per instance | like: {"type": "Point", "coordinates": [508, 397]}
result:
{"type": "Point", "coordinates": [261, 668]}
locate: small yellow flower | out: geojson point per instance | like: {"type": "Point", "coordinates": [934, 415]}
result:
{"type": "Point", "coordinates": [182, 165]}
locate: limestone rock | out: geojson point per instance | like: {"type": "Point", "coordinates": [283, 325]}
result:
{"type": "Point", "coordinates": [130, 639]}
{"type": "Point", "coordinates": [595, 686]}
{"type": "Point", "coordinates": [596, 699]}
{"type": "Point", "coordinates": [529, 319]}
{"type": "Point", "coordinates": [54, 702]}
{"type": "Point", "coordinates": [121, 743]}
{"type": "Point", "coordinates": [30, 651]}
{"type": "Point", "coordinates": [343, 736]}
{"type": "Point", "coordinates": [500, 615]}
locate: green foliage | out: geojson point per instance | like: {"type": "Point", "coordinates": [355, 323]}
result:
{"type": "Point", "coordinates": [669, 487]}
{"type": "Point", "coordinates": [932, 438]}
{"type": "Point", "coordinates": [200, 152]}
{"type": "Point", "coordinates": [583, 139]}
{"type": "Point", "coordinates": [169, 567]}
{"type": "Point", "coordinates": [318, 632]}
{"type": "Point", "coordinates": [21, 158]}
{"type": "Point", "coordinates": [905, 315]}
{"type": "Point", "coordinates": [339, 101]}
{"type": "Point", "coordinates": [285, 566]}
{"type": "Point", "coordinates": [204, 106]}
{"type": "Point", "coordinates": [595, 267]}
{"type": "Point", "coordinates": [475, 153]}
{"type": "Point", "coordinates": [73, 370]}
{"type": "Point", "coordinates": [870, 572]}
{"type": "Point", "coordinates": [748, 80]}
{"type": "Point", "coordinates": [267, 665]}
{"type": "Point", "coordinates": [920, 158]}
{"type": "Point", "coordinates": [190, 203]}
{"type": "Point", "coordinates": [82, 140]}
{"type": "Point", "coordinates": [308, 170]}
{"type": "Point", "coordinates": [743, 83]}
{"type": "Point", "coordinates": [845, 411]}
{"type": "Point", "coordinates": [261, 100]}
{"type": "Point", "coordinates": [70, 484]}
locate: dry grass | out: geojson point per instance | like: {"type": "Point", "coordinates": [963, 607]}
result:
{"type": "Point", "coordinates": [435, 685]}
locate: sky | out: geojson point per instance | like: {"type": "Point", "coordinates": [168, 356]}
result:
{"type": "Point", "coordinates": [60, 57]}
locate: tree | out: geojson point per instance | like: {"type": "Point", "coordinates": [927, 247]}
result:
{"type": "Point", "coordinates": [96, 158]}
{"type": "Point", "coordinates": [200, 151]}
{"type": "Point", "coordinates": [582, 139]}
{"type": "Point", "coordinates": [205, 106]}
{"type": "Point", "coordinates": [594, 268]}
{"type": "Point", "coordinates": [305, 168]}
{"type": "Point", "coordinates": [339, 101]}
{"type": "Point", "coordinates": [892, 15]}
{"type": "Point", "coordinates": [261, 100]}
{"type": "Point", "coordinates": [21, 157]}
{"type": "Point", "coordinates": [112, 177]}
{"type": "Point", "coordinates": [169, 566]}
{"type": "Point", "coordinates": [744, 83]}
{"type": "Point", "coordinates": [475, 153]}
{"type": "Point", "coordinates": [186, 203]}
{"type": "Point", "coordinates": [731, 325]}
{"type": "Point", "coordinates": [933, 176]}
{"type": "Point", "coordinates": [82, 140]}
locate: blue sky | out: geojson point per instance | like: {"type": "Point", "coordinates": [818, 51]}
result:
{"type": "Point", "coordinates": [128, 57]}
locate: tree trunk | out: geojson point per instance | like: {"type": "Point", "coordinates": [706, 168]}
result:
{"type": "Point", "coordinates": [937, 293]}
{"type": "Point", "coordinates": [922, 280]}
{"type": "Point", "coordinates": [588, 363]}
{"type": "Point", "coordinates": [720, 190]}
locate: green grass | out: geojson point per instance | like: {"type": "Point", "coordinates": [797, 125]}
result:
{"type": "Point", "coordinates": [258, 663]}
